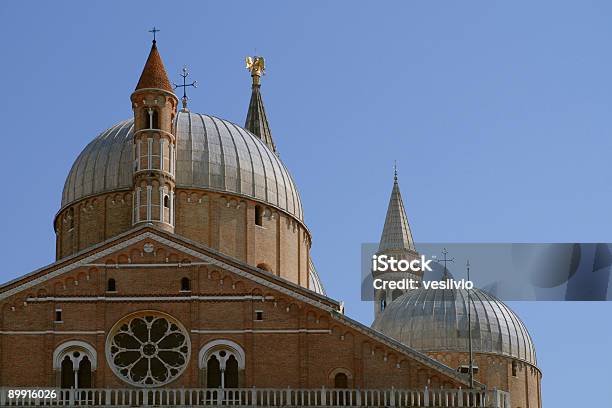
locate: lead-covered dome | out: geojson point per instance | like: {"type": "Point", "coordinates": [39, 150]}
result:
{"type": "Point", "coordinates": [434, 320]}
{"type": "Point", "coordinates": [212, 154]}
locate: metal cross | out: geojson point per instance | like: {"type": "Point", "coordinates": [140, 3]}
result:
{"type": "Point", "coordinates": [185, 74]}
{"type": "Point", "coordinates": [154, 31]}
{"type": "Point", "coordinates": [446, 259]}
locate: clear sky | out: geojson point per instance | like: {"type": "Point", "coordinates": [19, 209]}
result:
{"type": "Point", "coordinates": [498, 113]}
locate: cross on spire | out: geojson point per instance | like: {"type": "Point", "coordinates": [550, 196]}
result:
{"type": "Point", "coordinates": [184, 75]}
{"type": "Point", "coordinates": [154, 31]}
{"type": "Point", "coordinates": [446, 260]}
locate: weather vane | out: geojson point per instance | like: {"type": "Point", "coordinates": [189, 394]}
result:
{"type": "Point", "coordinates": [154, 31]}
{"type": "Point", "coordinates": [257, 67]}
{"type": "Point", "coordinates": [185, 74]}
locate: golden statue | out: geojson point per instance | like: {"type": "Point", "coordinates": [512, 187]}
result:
{"type": "Point", "coordinates": [257, 67]}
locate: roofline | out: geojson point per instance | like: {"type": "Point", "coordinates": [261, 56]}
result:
{"type": "Point", "coordinates": [228, 263]}
{"type": "Point", "coordinates": [202, 248]}
{"type": "Point", "coordinates": [418, 355]}
{"type": "Point", "coordinates": [143, 90]}
{"type": "Point", "coordinates": [489, 353]}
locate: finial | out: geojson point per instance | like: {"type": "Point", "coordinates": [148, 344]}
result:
{"type": "Point", "coordinates": [257, 67]}
{"type": "Point", "coordinates": [154, 31]}
{"type": "Point", "coordinates": [446, 260]}
{"type": "Point", "coordinates": [395, 170]}
{"type": "Point", "coordinates": [184, 75]}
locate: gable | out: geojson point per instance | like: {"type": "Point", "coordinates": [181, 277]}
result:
{"type": "Point", "coordinates": [154, 261]}
{"type": "Point", "coordinates": [117, 253]}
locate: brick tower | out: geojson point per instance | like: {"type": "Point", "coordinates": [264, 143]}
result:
{"type": "Point", "coordinates": [155, 106]}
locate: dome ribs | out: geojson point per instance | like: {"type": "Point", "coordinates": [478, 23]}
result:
{"type": "Point", "coordinates": [496, 329]}
{"type": "Point", "coordinates": [262, 175]}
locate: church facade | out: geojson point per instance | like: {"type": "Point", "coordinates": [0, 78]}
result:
{"type": "Point", "coordinates": [183, 263]}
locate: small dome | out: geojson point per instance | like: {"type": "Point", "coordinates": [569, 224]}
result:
{"type": "Point", "coordinates": [212, 154]}
{"type": "Point", "coordinates": [434, 320]}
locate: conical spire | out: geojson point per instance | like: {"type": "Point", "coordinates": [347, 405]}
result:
{"type": "Point", "coordinates": [257, 121]}
{"type": "Point", "coordinates": [154, 74]}
{"type": "Point", "coordinates": [396, 234]}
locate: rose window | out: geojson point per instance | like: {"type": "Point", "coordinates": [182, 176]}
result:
{"type": "Point", "coordinates": [148, 349]}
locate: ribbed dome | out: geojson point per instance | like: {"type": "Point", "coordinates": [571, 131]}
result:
{"type": "Point", "coordinates": [437, 320]}
{"type": "Point", "coordinates": [212, 154]}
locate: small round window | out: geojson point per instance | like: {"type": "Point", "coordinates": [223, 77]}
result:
{"type": "Point", "coordinates": [148, 349]}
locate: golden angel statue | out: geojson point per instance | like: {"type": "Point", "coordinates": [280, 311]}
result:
{"type": "Point", "coordinates": [256, 65]}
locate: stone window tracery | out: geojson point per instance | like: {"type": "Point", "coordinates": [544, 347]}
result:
{"type": "Point", "coordinates": [222, 363]}
{"type": "Point", "coordinates": [75, 361]}
{"type": "Point", "coordinates": [148, 349]}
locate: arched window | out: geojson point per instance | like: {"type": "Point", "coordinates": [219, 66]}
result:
{"type": "Point", "coordinates": [67, 373]}
{"type": "Point", "coordinates": [259, 215]}
{"type": "Point", "coordinates": [75, 362]}
{"type": "Point", "coordinates": [185, 285]}
{"type": "Point", "coordinates": [111, 285]}
{"type": "Point", "coordinates": [84, 374]}
{"type": "Point", "coordinates": [166, 201]}
{"type": "Point", "coordinates": [223, 362]}
{"type": "Point", "coordinates": [213, 373]}
{"type": "Point", "coordinates": [514, 369]}
{"type": "Point", "coordinates": [341, 381]}
{"type": "Point", "coordinates": [155, 119]}
{"type": "Point", "coordinates": [151, 118]}
{"type": "Point", "coordinates": [231, 372]}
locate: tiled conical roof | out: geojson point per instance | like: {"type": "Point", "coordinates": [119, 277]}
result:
{"type": "Point", "coordinates": [257, 121]}
{"type": "Point", "coordinates": [154, 74]}
{"type": "Point", "coordinates": [396, 234]}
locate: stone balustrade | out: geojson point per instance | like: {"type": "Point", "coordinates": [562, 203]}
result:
{"type": "Point", "coordinates": [258, 397]}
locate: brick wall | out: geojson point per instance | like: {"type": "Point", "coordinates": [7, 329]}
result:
{"type": "Point", "coordinates": [282, 350]}
{"type": "Point", "coordinates": [220, 221]}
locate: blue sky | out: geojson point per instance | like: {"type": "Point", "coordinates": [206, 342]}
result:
{"type": "Point", "coordinates": [498, 114]}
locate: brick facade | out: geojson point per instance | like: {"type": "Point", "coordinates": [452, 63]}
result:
{"type": "Point", "coordinates": [221, 222]}
{"type": "Point", "coordinates": [316, 339]}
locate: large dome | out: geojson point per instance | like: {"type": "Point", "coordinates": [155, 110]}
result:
{"type": "Point", "coordinates": [437, 320]}
{"type": "Point", "coordinates": [212, 154]}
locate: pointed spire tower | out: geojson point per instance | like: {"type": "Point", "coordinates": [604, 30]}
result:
{"type": "Point", "coordinates": [154, 74]}
{"type": "Point", "coordinates": [154, 105]}
{"type": "Point", "coordinates": [257, 121]}
{"type": "Point", "coordinates": [396, 241]}
{"type": "Point", "coordinates": [396, 235]}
